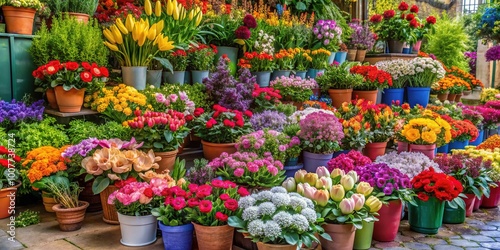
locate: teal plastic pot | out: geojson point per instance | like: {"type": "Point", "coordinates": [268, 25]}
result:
{"type": "Point", "coordinates": [453, 215]}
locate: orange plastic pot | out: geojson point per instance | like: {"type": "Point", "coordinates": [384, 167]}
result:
{"type": "Point", "coordinates": [19, 20]}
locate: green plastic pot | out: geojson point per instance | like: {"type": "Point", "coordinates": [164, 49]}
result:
{"type": "Point", "coordinates": [453, 215]}
{"type": "Point", "coordinates": [427, 216]}
{"type": "Point", "coordinates": [363, 236]}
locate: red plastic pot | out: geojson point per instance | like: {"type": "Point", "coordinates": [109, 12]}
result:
{"type": "Point", "coordinates": [494, 198]}
{"type": "Point", "coordinates": [477, 203]}
{"type": "Point", "coordinates": [469, 204]}
{"type": "Point", "coordinates": [374, 149]}
{"type": "Point", "coordinates": [386, 228]}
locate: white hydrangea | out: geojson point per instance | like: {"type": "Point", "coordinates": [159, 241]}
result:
{"type": "Point", "coordinates": [272, 230]}
{"type": "Point", "coordinates": [309, 203]}
{"type": "Point", "coordinates": [298, 203]}
{"type": "Point", "coordinates": [266, 208]}
{"type": "Point", "coordinates": [283, 219]}
{"type": "Point", "coordinates": [250, 213]}
{"type": "Point", "coordinates": [264, 196]}
{"type": "Point", "coordinates": [300, 222]}
{"type": "Point", "coordinates": [280, 199]}
{"type": "Point", "coordinates": [246, 202]}
{"type": "Point", "coordinates": [310, 214]}
{"type": "Point", "coordinates": [279, 189]}
{"type": "Point", "coordinates": [264, 43]}
{"type": "Point", "coordinates": [256, 228]}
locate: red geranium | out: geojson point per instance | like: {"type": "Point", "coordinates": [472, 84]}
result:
{"type": "Point", "coordinates": [377, 18]}
{"type": "Point", "coordinates": [374, 78]}
{"type": "Point", "coordinates": [69, 74]}
{"type": "Point", "coordinates": [410, 17]}
{"type": "Point", "coordinates": [414, 9]}
{"type": "Point", "coordinates": [429, 183]}
{"type": "Point", "coordinates": [403, 6]}
{"type": "Point", "coordinates": [431, 19]}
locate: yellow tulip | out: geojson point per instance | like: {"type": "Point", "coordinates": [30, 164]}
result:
{"type": "Point", "coordinates": [158, 8]}
{"type": "Point", "coordinates": [176, 13]}
{"type": "Point", "coordinates": [159, 26]}
{"type": "Point", "coordinates": [152, 32]}
{"type": "Point", "coordinates": [191, 14]}
{"type": "Point", "coordinates": [116, 34]}
{"type": "Point", "coordinates": [130, 23]}
{"type": "Point", "coordinates": [142, 38]}
{"type": "Point", "coordinates": [112, 47]}
{"type": "Point", "coordinates": [121, 27]}
{"type": "Point", "coordinates": [170, 7]}
{"type": "Point", "coordinates": [183, 13]}
{"type": "Point", "coordinates": [148, 9]}
{"type": "Point", "coordinates": [164, 44]}
{"type": "Point", "coordinates": [198, 20]}
{"type": "Point", "coordinates": [138, 30]}
{"type": "Point", "coordinates": [107, 33]}
{"type": "Point", "coordinates": [373, 203]}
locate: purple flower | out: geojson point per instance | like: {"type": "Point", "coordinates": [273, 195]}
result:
{"type": "Point", "coordinates": [383, 178]}
{"type": "Point", "coordinates": [493, 53]}
{"type": "Point", "coordinates": [12, 113]}
{"type": "Point", "coordinates": [362, 37]}
{"type": "Point", "coordinates": [321, 132]}
{"type": "Point", "coordinates": [268, 119]}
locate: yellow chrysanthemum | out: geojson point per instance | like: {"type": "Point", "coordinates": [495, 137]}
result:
{"type": "Point", "coordinates": [412, 134]}
{"type": "Point", "coordinates": [429, 137]}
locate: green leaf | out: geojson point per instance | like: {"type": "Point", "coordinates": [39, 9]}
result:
{"type": "Point", "coordinates": [157, 145]}
{"type": "Point", "coordinates": [165, 63]}
{"type": "Point", "coordinates": [300, 6]}
{"type": "Point", "coordinates": [100, 183]}
{"type": "Point", "coordinates": [292, 238]}
{"type": "Point", "coordinates": [236, 222]}
{"type": "Point", "coordinates": [168, 136]}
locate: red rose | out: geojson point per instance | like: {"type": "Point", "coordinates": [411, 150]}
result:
{"type": "Point", "coordinates": [86, 76]}
{"type": "Point", "coordinates": [204, 191]}
{"type": "Point", "coordinates": [243, 191]}
{"type": "Point", "coordinates": [205, 206]}
{"type": "Point", "coordinates": [4, 163]}
{"type": "Point", "coordinates": [428, 188]}
{"type": "Point", "coordinates": [72, 66]}
{"type": "Point", "coordinates": [403, 6]}
{"type": "Point", "coordinates": [388, 14]}
{"type": "Point", "coordinates": [217, 183]}
{"type": "Point", "coordinates": [249, 21]}
{"type": "Point", "coordinates": [414, 9]}
{"type": "Point", "coordinates": [224, 197]}
{"type": "Point", "coordinates": [231, 204]}
{"type": "Point", "coordinates": [104, 71]}
{"type": "Point", "coordinates": [86, 65]}
{"type": "Point", "coordinates": [148, 192]}
{"type": "Point", "coordinates": [423, 196]}
{"type": "Point", "coordinates": [178, 203]}
{"type": "Point", "coordinates": [193, 202]}
{"type": "Point", "coordinates": [377, 18]}
{"type": "Point", "coordinates": [242, 33]}
{"type": "Point", "coordinates": [414, 23]}
{"type": "Point", "coordinates": [410, 17]}
{"type": "Point", "coordinates": [220, 216]}
{"type": "Point", "coordinates": [431, 19]}
{"type": "Point", "coordinates": [96, 72]}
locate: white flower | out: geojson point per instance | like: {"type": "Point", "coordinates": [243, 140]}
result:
{"type": "Point", "coordinates": [300, 222]}
{"type": "Point", "coordinates": [272, 230]}
{"type": "Point", "coordinates": [279, 189]}
{"type": "Point", "coordinates": [256, 228]}
{"type": "Point", "coordinates": [267, 208]}
{"type": "Point", "coordinates": [310, 214]}
{"type": "Point", "coordinates": [283, 219]}
{"type": "Point", "coordinates": [250, 213]}
{"type": "Point", "coordinates": [280, 199]}
{"type": "Point", "coordinates": [298, 203]}
{"type": "Point", "coordinates": [246, 202]}
{"type": "Point", "coordinates": [264, 196]}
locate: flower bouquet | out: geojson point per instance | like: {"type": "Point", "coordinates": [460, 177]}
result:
{"type": "Point", "coordinates": [398, 26]}
{"type": "Point", "coordinates": [278, 218]}
{"type": "Point", "coordinates": [249, 169]}
{"type": "Point", "coordinates": [321, 133]}
{"type": "Point", "coordinates": [294, 88]}
{"type": "Point", "coordinates": [426, 70]}
{"type": "Point", "coordinates": [348, 161]}
{"type": "Point", "coordinates": [202, 57]}
{"type": "Point", "coordinates": [159, 131]}
{"type": "Point", "coordinates": [257, 62]}
{"type": "Point", "coordinates": [280, 145]}
{"type": "Point", "coordinates": [178, 59]}
{"type": "Point", "coordinates": [378, 119]}
{"type": "Point", "coordinates": [328, 35]}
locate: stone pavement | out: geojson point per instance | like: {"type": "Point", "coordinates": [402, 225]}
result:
{"type": "Point", "coordinates": [481, 231]}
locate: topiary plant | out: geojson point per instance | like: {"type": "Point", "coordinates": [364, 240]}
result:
{"type": "Point", "coordinates": [69, 40]}
{"type": "Point", "coordinates": [449, 42]}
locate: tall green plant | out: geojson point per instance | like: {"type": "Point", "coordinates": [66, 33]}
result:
{"type": "Point", "coordinates": [449, 42]}
{"type": "Point", "coordinates": [78, 6]}
{"type": "Point", "coordinates": [69, 40]}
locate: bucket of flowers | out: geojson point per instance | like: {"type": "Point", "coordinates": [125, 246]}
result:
{"type": "Point", "coordinates": [260, 64]}
{"type": "Point", "coordinates": [201, 59]}
{"type": "Point", "coordinates": [179, 61]}
{"type": "Point", "coordinates": [373, 80]}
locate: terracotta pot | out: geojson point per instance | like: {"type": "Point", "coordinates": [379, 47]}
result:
{"type": "Point", "coordinates": [442, 97]}
{"type": "Point", "coordinates": [342, 236]}
{"type": "Point", "coordinates": [19, 20]}
{"type": "Point", "coordinates": [360, 55]}
{"type": "Point", "coordinates": [81, 17]}
{"type": "Point", "coordinates": [70, 219]}
{"type": "Point", "coordinates": [69, 101]}
{"type": "Point", "coordinates": [369, 95]}
{"type": "Point", "coordinates": [51, 98]}
{"type": "Point", "coordinates": [469, 204]}
{"type": "Point", "coordinates": [48, 202]}
{"type": "Point", "coordinates": [428, 150]}
{"type": "Point", "coordinates": [167, 160]}
{"type": "Point", "coordinates": [351, 54]}
{"type": "Point", "coordinates": [109, 213]}
{"type": "Point", "coordinates": [340, 96]}
{"type": "Point", "coordinates": [494, 198]}
{"type": "Point", "coordinates": [265, 246]}
{"type": "Point", "coordinates": [7, 200]}
{"type": "Point", "coordinates": [214, 238]}
{"type": "Point", "coordinates": [374, 149]}
{"type": "Point", "coordinates": [213, 150]}
{"type": "Point", "coordinates": [451, 97]}
{"type": "Point", "coordinates": [458, 97]}
{"type": "Point", "coordinates": [386, 228]}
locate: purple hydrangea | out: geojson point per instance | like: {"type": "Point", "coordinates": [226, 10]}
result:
{"type": "Point", "coordinates": [268, 119]}
{"type": "Point", "coordinates": [16, 112]}
{"type": "Point", "coordinates": [493, 53]}
{"type": "Point", "coordinates": [383, 178]}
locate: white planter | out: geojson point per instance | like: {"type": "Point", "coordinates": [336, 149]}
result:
{"type": "Point", "coordinates": [137, 230]}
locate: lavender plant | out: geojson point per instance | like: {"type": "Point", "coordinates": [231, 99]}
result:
{"type": "Point", "coordinates": [14, 113]}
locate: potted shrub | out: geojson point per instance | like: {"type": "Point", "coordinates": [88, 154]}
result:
{"type": "Point", "coordinates": [373, 80]}
{"type": "Point", "coordinates": [81, 10]}
{"type": "Point", "coordinates": [19, 15]}
{"type": "Point", "coordinates": [261, 65]}
{"type": "Point", "coordinates": [279, 233]}
{"type": "Point", "coordinates": [9, 180]}
{"type": "Point", "coordinates": [319, 62]}
{"type": "Point", "coordinates": [321, 134]}
{"type": "Point", "coordinates": [339, 83]}
{"type": "Point", "coordinates": [284, 63]}
{"type": "Point", "coordinates": [362, 38]}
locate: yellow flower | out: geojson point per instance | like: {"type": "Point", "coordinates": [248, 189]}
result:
{"type": "Point", "coordinates": [412, 134]}
{"type": "Point", "coordinates": [429, 137]}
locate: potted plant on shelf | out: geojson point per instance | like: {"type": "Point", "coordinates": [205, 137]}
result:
{"type": "Point", "coordinates": [373, 80]}
{"type": "Point", "coordinates": [201, 59]}
{"type": "Point", "coordinates": [179, 61]}
{"type": "Point", "coordinates": [398, 69]}
{"type": "Point", "coordinates": [321, 134]}
{"type": "Point", "coordinates": [70, 80]}
{"type": "Point", "coordinates": [210, 207]}
{"type": "Point", "coordinates": [328, 35]}
{"type": "Point", "coordinates": [339, 83]}
{"type": "Point", "coordinates": [260, 64]}
{"type": "Point", "coordinates": [425, 72]}
{"type": "Point", "coordinates": [294, 89]}
{"type": "Point", "coordinates": [19, 15]}
{"type": "Point", "coordinates": [288, 224]}
{"type": "Point", "coordinates": [81, 10]}
{"type": "Point", "coordinates": [362, 38]}
{"type": "Point", "coordinates": [9, 180]}
{"type": "Point", "coordinates": [161, 132]}
{"type": "Point", "coordinates": [302, 61]}
{"type": "Point", "coordinates": [220, 129]}
{"type": "Point", "coordinates": [134, 54]}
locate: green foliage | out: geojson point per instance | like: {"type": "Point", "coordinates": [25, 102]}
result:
{"type": "Point", "coordinates": [287, 109]}
{"type": "Point", "coordinates": [448, 42]}
{"type": "Point", "coordinates": [27, 218]}
{"type": "Point", "coordinates": [78, 6]}
{"type": "Point", "coordinates": [200, 173]}
{"type": "Point", "coordinates": [338, 77]}
{"type": "Point", "coordinates": [69, 40]}
{"type": "Point", "coordinates": [45, 133]}
{"type": "Point", "coordinates": [80, 130]}
{"type": "Point", "coordinates": [3, 137]}
{"type": "Point", "coordinates": [470, 24]}
{"type": "Point", "coordinates": [291, 129]}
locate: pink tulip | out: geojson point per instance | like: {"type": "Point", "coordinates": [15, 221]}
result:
{"type": "Point", "coordinates": [347, 206]}
{"type": "Point", "coordinates": [321, 197]}
{"type": "Point", "coordinates": [289, 184]}
{"type": "Point", "coordinates": [347, 182]}
{"type": "Point", "coordinates": [299, 175]}
{"type": "Point", "coordinates": [309, 191]}
{"type": "Point", "coordinates": [337, 172]}
{"type": "Point", "coordinates": [322, 171]}
{"type": "Point", "coordinates": [359, 201]}
{"type": "Point", "coordinates": [324, 183]}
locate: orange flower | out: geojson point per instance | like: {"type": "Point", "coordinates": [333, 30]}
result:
{"type": "Point", "coordinates": [44, 161]}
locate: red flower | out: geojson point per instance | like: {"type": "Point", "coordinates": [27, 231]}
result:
{"type": "Point", "coordinates": [198, 111]}
{"type": "Point", "coordinates": [121, 183]}
{"type": "Point", "coordinates": [377, 18]}
{"type": "Point", "coordinates": [240, 123]}
{"type": "Point", "coordinates": [249, 21]}
{"type": "Point", "coordinates": [205, 206]}
{"type": "Point", "coordinates": [86, 65]}
{"type": "Point", "coordinates": [224, 197]}
{"type": "Point", "coordinates": [410, 17]}
{"type": "Point", "coordinates": [220, 216]}
{"type": "Point", "coordinates": [423, 196]}
{"type": "Point", "coordinates": [86, 76]}
{"type": "Point", "coordinates": [388, 14]}
{"type": "Point", "coordinates": [193, 202]}
{"type": "Point", "coordinates": [204, 191]}
{"type": "Point", "coordinates": [210, 123]}
{"type": "Point", "coordinates": [217, 183]}
{"type": "Point", "coordinates": [72, 65]}
{"type": "Point", "coordinates": [242, 33]}
{"type": "Point", "coordinates": [104, 71]}
{"type": "Point", "coordinates": [3, 150]}
{"type": "Point", "coordinates": [431, 19]}
{"type": "Point", "coordinates": [403, 6]}
{"type": "Point", "coordinates": [17, 158]}
{"type": "Point", "coordinates": [414, 23]}
{"type": "Point", "coordinates": [231, 204]}
{"type": "Point", "coordinates": [229, 123]}
{"type": "Point", "coordinates": [248, 113]}
{"type": "Point", "coordinates": [414, 9]}
{"type": "Point", "coordinates": [51, 69]}
{"type": "Point", "coordinates": [4, 163]}
{"type": "Point", "coordinates": [96, 72]}
{"type": "Point", "coordinates": [193, 187]}
{"type": "Point", "coordinates": [178, 203]}
{"type": "Point", "coordinates": [243, 191]}
{"type": "Point", "coordinates": [148, 192]}
{"type": "Point", "coordinates": [189, 118]}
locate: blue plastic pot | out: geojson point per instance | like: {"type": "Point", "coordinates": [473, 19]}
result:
{"type": "Point", "coordinates": [331, 58]}
{"type": "Point", "coordinates": [443, 149]}
{"type": "Point", "coordinates": [393, 95]}
{"type": "Point", "coordinates": [312, 161]}
{"type": "Point", "coordinates": [479, 139]}
{"type": "Point", "coordinates": [177, 237]}
{"type": "Point", "coordinates": [292, 161]}
{"type": "Point", "coordinates": [290, 170]}
{"type": "Point", "coordinates": [418, 95]}
{"type": "Point", "coordinates": [340, 56]}
{"type": "Point", "coordinates": [312, 73]}
{"type": "Point", "coordinates": [457, 145]}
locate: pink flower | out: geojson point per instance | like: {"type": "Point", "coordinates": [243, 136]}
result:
{"type": "Point", "coordinates": [272, 169]}
{"type": "Point", "coordinates": [239, 172]}
{"type": "Point", "coordinates": [253, 167]}
{"type": "Point", "coordinates": [173, 97]}
{"type": "Point", "coordinates": [183, 96]}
